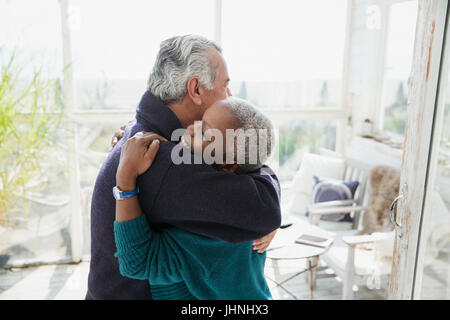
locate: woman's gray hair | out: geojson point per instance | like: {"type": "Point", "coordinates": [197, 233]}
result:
{"type": "Point", "coordinates": [256, 135]}
{"type": "Point", "coordinates": [179, 59]}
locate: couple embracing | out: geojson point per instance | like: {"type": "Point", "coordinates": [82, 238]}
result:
{"type": "Point", "coordinates": [167, 229]}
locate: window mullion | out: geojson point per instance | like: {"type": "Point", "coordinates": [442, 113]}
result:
{"type": "Point", "coordinates": [75, 230]}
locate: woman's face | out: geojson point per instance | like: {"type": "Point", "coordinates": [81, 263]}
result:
{"type": "Point", "coordinates": [218, 117]}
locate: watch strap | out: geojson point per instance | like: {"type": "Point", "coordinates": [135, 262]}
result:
{"type": "Point", "coordinates": [120, 195]}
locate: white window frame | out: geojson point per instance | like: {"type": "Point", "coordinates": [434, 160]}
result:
{"type": "Point", "coordinates": [379, 110]}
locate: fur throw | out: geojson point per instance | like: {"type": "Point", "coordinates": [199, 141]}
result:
{"type": "Point", "coordinates": [384, 186]}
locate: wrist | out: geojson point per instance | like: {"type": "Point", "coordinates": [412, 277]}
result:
{"type": "Point", "coordinates": [125, 182]}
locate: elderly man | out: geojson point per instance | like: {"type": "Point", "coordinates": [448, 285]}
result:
{"type": "Point", "coordinates": [189, 75]}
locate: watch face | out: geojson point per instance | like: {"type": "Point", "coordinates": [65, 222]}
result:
{"type": "Point", "coordinates": [116, 193]}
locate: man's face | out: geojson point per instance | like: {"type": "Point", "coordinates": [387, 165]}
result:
{"type": "Point", "coordinates": [220, 90]}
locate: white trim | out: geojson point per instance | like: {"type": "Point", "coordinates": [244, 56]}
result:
{"type": "Point", "coordinates": [378, 108]}
{"type": "Point", "coordinates": [421, 108]}
{"type": "Point", "coordinates": [433, 166]}
{"type": "Point", "coordinates": [93, 116]}
{"type": "Point", "coordinates": [346, 101]}
{"type": "Point", "coordinates": [76, 225]}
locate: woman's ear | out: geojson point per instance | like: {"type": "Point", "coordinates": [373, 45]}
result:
{"type": "Point", "coordinates": [193, 90]}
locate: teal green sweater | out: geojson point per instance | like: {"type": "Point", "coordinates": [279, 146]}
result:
{"type": "Point", "coordinates": [182, 265]}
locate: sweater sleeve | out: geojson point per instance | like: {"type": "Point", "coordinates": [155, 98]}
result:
{"type": "Point", "coordinates": [144, 254]}
{"type": "Point", "coordinates": [232, 207]}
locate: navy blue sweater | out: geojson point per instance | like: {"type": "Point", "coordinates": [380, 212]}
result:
{"type": "Point", "coordinates": [194, 197]}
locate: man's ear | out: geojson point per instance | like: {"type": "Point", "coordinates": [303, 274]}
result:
{"type": "Point", "coordinates": [193, 90]}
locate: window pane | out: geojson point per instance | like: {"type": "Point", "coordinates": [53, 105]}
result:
{"type": "Point", "coordinates": [398, 61]}
{"type": "Point", "coordinates": [36, 41]}
{"type": "Point", "coordinates": [35, 203]}
{"type": "Point", "coordinates": [285, 54]}
{"type": "Point", "coordinates": [435, 229]}
{"type": "Point", "coordinates": [296, 137]}
{"type": "Point", "coordinates": [115, 44]}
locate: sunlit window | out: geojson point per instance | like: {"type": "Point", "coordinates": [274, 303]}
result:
{"type": "Point", "coordinates": [132, 31]}
{"type": "Point", "coordinates": [286, 57]}
{"type": "Point", "coordinates": [35, 199]}
{"type": "Point", "coordinates": [398, 60]}
{"type": "Point", "coordinates": [274, 56]}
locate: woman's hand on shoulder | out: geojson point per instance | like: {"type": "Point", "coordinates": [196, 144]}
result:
{"type": "Point", "coordinates": [137, 155]}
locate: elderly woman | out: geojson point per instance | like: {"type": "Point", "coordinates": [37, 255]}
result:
{"type": "Point", "coordinates": [183, 265]}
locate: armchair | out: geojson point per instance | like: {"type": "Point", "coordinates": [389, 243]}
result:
{"type": "Point", "coordinates": [355, 257]}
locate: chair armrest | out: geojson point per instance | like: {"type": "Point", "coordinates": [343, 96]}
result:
{"type": "Point", "coordinates": [334, 203]}
{"type": "Point", "coordinates": [318, 211]}
{"type": "Point", "coordinates": [363, 239]}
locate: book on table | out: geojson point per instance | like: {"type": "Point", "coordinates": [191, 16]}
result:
{"type": "Point", "coordinates": [313, 240]}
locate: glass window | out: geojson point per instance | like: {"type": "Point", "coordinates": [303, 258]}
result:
{"type": "Point", "coordinates": [435, 229]}
{"type": "Point", "coordinates": [398, 60]}
{"type": "Point", "coordinates": [21, 31]}
{"type": "Point", "coordinates": [132, 31]}
{"type": "Point", "coordinates": [294, 138]}
{"type": "Point", "coordinates": [283, 73]}
{"type": "Point", "coordinates": [285, 54]}
{"type": "Point", "coordinates": [34, 195]}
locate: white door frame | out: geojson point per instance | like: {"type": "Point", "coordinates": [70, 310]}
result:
{"type": "Point", "coordinates": [423, 86]}
{"type": "Point", "coordinates": [427, 213]}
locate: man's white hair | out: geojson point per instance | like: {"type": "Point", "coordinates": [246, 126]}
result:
{"type": "Point", "coordinates": [257, 129]}
{"type": "Point", "coordinates": [179, 59]}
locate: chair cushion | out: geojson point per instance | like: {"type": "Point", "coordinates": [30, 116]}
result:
{"type": "Point", "coordinates": [327, 189]}
{"type": "Point", "coordinates": [303, 183]}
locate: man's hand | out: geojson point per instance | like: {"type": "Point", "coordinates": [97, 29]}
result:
{"type": "Point", "coordinates": [118, 134]}
{"type": "Point", "coordinates": [136, 157]}
{"type": "Point", "coordinates": [263, 243]}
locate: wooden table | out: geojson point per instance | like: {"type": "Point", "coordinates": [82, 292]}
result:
{"type": "Point", "coordinates": [283, 247]}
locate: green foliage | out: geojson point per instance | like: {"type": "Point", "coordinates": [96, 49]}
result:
{"type": "Point", "coordinates": [304, 134]}
{"type": "Point", "coordinates": [30, 112]}
{"type": "Point", "coordinates": [395, 124]}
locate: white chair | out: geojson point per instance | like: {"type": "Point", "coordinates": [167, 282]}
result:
{"type": "Point", "coordinates": [356, 259]}
{"type": "Point", "coordinates": [352, 264]}
{"type": "Point", "coordinates": [365, 259]}
{"type": "Point", "coordinates": [354, 171]}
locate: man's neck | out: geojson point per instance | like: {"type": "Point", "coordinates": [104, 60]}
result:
{"type": "Point", "coordinates": [185, 112]}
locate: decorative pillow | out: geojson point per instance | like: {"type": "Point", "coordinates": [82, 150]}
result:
{"type": "Point", "coordinates": [303, 183]}
{"type": "Point", "coordinates": [327, 189]}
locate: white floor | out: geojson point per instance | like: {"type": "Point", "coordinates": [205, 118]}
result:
{"type": "Point", "coordinates": [69, 282]}
{"type": "Point", "coordinates": [48, 282]}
